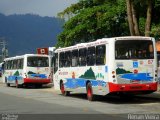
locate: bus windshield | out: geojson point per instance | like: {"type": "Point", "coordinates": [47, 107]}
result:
{"type": "Point", "coordinates": [35, 61]}
{"type": "Point", "coordinates": [134, 49]}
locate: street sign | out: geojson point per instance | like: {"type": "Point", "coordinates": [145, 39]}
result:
{"type": "Point", "coordinates": [43, 51]}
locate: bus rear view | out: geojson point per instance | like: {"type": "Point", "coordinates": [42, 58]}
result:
{"type": "Point", "coordinates": [135, 65]}
{"type": "Point", "coordinates": [37, 70]}
{"type": "Point", "coordinates": [27, 69]}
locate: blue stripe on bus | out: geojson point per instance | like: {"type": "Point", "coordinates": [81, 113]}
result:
{"type": "Point", "coordinates": [12, 78]}
{"type": "Point", "coordinates": [81, 82]}
{"type": "Point", "coordinates": [38, 75]}
{"type": "Point", "coordinates": [138, 76]}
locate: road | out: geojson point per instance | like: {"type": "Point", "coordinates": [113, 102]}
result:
{"type": "Point", "coordinates": [48, 101]}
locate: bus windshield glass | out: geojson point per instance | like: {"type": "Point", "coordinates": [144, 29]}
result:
{"type": "Point", "coordinates": [134, 49]}
{"type": "Point", "coordinates": [35, 61]}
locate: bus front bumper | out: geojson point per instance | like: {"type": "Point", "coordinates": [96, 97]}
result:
{"type": "Point", "coordinates": [133, 87]}
{"type": "Point", "coordinates": [39, 81]}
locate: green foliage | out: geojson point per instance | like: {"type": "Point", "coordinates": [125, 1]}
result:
{"type": "Point", "coordinates": [142, 22]}
{"type": "Point", "coordinates": [155, 31]}
{"type": "Point", "coordinates": [141, 8]}
{"type": "Point", "coordinates": [93, 19]}
{"type": "Point", "coordinates": [89, 20]}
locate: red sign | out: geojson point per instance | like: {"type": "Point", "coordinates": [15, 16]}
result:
{"type": "Point", "coordinates": [43, 51]}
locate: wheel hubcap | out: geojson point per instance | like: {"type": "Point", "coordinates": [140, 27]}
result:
{"type": "Point", "coordinates": [89, 92]}
{"type": "Point", "coordinates": [62, 88]}
{"type": "Point", "coordinates": [16, 83]}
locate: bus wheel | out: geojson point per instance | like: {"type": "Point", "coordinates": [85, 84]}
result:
{"type": "Point", "coordinates": [90, 95]}
{"type": "Point", "coordinates": [8, 84]}
{"type": "Point", "coordinates": [65, 93]}
{"type": "Point", "coordinates": [17, 86]}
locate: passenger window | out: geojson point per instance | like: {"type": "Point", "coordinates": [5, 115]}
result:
{"type": "Point", "coordinates": [8, 64]}
{"type": "Point", "coordinates": [61, 60]}
{"type": "Point", "coordinates": [82, 57]}
{"type": "Point", "coordinates": [91, 56]}
{"type": "Point", "coordinates": [12, 64]}
{"type": "Point", "coordinates": [15, 65]}
{"type": "Point", "coordinates": [67, 61]}
{"type": "Point", "coordinates": [55, 59]}
{"type": "Point", "coordinates": [20, 64]}
{"type": "Point", "coordinates": [5, 65]}
{"type": "Point", "coordinates": [21, 67]}
{"type": "Point", "coordinates": [100, 55]}
{"type": "Point", "coordinates": [74, 58]}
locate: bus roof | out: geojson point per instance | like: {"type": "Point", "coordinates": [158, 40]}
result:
{"type": "Point", "coordinates": [83, 45]}
{"type": "Point", "coordinates": [22, 56]}
{"type": "Point", "coordinates": [133, 38]}
{"type": "Point", "coordinates": [101, 42]}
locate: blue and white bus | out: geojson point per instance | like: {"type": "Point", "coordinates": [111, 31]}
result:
{"type": "Point", "coordinates": [27, 69]}
{"type": "Point", "coordinates": [109, 65]}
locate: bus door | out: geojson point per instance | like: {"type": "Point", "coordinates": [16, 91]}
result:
{"type": "Point", "coordinates": [56, 71]}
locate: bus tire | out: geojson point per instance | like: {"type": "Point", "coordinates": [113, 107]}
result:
{"type": "Point", "coordinates": [17, 85]}
{"type": "Point", "coordinates": [25, 85]}
{"type": "Point", "coordinates": [90, 95]}
{"type": "Point", "coordinates": [8, 84]}
{"type": "Point", "coordinates": [65, 93]}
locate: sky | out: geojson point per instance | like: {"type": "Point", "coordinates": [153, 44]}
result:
{"type": "Point", "coordinates": [41, 7]}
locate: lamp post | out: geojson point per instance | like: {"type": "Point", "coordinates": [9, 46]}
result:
{"type": "Point", "coordinates": [4, 50]}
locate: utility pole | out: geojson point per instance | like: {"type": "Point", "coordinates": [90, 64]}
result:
{"type": "Point", "coordinates": [3, 49]}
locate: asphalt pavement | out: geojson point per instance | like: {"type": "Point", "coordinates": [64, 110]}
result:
{"type": "Point", "coordinates": [51, 89]}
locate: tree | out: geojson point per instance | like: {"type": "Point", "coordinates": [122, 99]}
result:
{"type": "Point", "coordinates": [149, 17]}
{"type": "Point", "coordinates": [135, 22]}
{"type": "Point", "coordinates": [89, 20]}
{"type": "Point", "coordinates": [136, 15]}
{"type": "Point", "coordinates": [130, 17]}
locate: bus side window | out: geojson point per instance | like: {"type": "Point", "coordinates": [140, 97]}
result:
{"type": "Point", "coordinates": [5, 65]}
{"type": "Point", "coordinates": [100, 55]}
{"type": "Point", "coordinates": [21, 66]}
{"type": "Point", "coordinates": [67, 59]}
{"type": "Point", "coordinates": [15, 65]}
{"type": "Point", "coordinates": [8, 65]}
{"type": "Point", "coordinates": [82, 57]}
{"type": "Point", "coordinates": [74, 58]}
{"type": "Point", "coordinates": [12, 64]}
{"type": "Point", "coordinates": [91, 56]}
{"type": "Point", "coordinates": [52, 61]}
{"type": "Point", "coordinates": [55, 62]}
{"type": "Point", "coordinates": [18, 64]}
{"type": "Point", "coordinates": [61, 59]}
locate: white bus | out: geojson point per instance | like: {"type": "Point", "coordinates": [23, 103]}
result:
{"type": "Point", "coordinates": [27, 69]}
{"type": "Point", "coordinates": [108, 65]}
